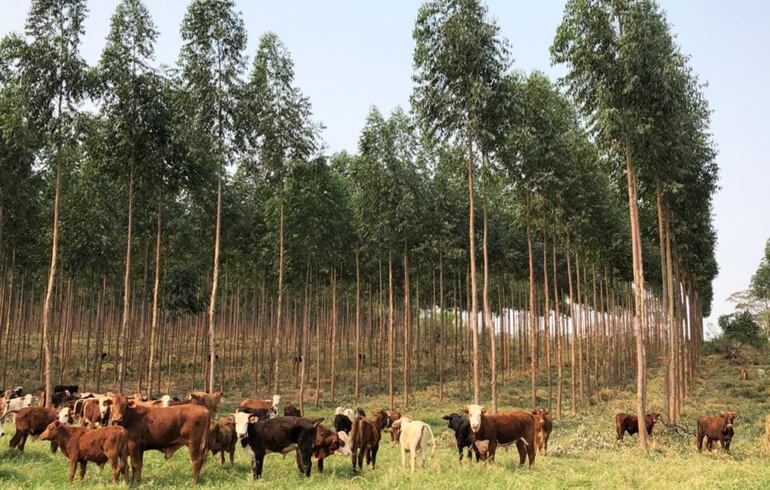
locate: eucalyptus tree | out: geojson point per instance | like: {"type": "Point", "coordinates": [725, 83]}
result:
{"type": "Point", "coordinates": [617, 53]}
{"type": "Point", "coordinates": [129, 100]}
{"type": "Point", "coordinates": [53, 74]}
{"type": "Point", "coordinates": [211, 64]}
{"type": "Point", "coordinates": [459, 60]}
{"type": "Point", "coordinates": [279, 130]}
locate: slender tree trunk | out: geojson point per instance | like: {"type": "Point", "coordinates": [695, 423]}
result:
{"type": "Point", "coordinates": [391, 346]}
{"type": "Point", "coordinates": [333, 344]}
{"type": "Point", "coordinates": [488, 318]}
{"type": "Point", "coordinates": [214, 283]}
{"type": "Point", "coordinates": [546, 323]}
{"type": "Point", "coordinates": [407, 328]}
{"type": "Point", "coordinates": [472, 258]}
{"type": "Point", "coordinates": [279, 306]}
{"type": "Point", "coordinates": [573, 339]}
{"type": "Point", "coordinates": [126, 286]}
{"type": "Point", "coordinates": [532, 314]}
{"type": "Point", "coordinates": [639, 310]}
{"type": "Point", "coordinates": [357, 389]}
{"type": "Point", "coordinates": [155, 291]}
{"type": "Point", "coordinates": [557, 331]}
{"type": "Point", "coordinates": [50, 284]}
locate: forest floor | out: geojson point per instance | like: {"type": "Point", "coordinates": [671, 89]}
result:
{"type": "Point", "coordinates": [582, 451]}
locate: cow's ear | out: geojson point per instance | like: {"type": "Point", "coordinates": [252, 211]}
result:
{"type": "Point", "coordinates": [446, 417]}
{"type": "Point", "coordinates": [484, 411]}
{"type": "Point", "coordinates": [253, 419]}
{"type": "Point", "coordinates": [464, 409]}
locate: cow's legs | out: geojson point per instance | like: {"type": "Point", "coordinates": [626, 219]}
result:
{"type": "Point", "coordinates": [115, 467]}
{"type": "Point", "coordinates": [321, 465]}
{"type": "Point", "coordinates": [137, 458]}
{"type": "Point", "coordinates": [259, 459]}
{"type": "Point", "coordinates": [699, 441]}
{"type": "Point", "coordinates": [403, 457]}
{"type": "Point", "coordinates": [412, 459]}
{"type": "Point", "coordinates": [374, 455]}
{"type": "Point", "coordinates": [83, 464]}
{"type": "Point", "coordinates": [521, 448]}
{"type": "Point", "coordinates": [361, 452]}
{"type": "Point", "coordinates": [73, 465]}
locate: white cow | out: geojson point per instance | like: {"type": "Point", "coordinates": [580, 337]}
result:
{"type": "Point", "coordinates": [344, 450]}
{"type": "Point", "coordinates": [760, 373]}
{"type": "Point", "coordinates": [347, 412]}
{"type": "Point", "coordinates": [14, 405]}
{"type": "Point", "coordinates": [474, 416]}
{"type": "Point", "coordinates": [412, 436]}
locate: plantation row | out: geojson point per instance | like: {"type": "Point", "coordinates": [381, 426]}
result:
{"type": "Point", "coordinates": [167, 224]}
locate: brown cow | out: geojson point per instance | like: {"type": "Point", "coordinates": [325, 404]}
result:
{"type": "Point", "coordinates": [222, 438]}
{"type": "Point", "coordinates": [719, 428]}
{"type": "Point", "coordinates": [744, 374]}
{"type": "Point", "coordinates": [81, 445]}
{"type": "Point", "coordinates": [291, 411]}
{"type": "Point", "coordinates": [502, 430]}
{"type": "Point", "coordinates": [32, 421]}
{"type": "Point", "coordinates": [325, 443]}
{"type": "Point", "coordinates": [543, 428]}
{"type": "Point", "coordinates": [162, 429]}
{"type": "Point", "coordinates": [625, 422]}
{"type": "Point", "coordinates": [259, 404]}
{"type": "Point", "coordinates": [365, 441]}
{"type": "Point", "coordinates": [95, 413]}
{"type": "Point", "coordinates": [209, 401]}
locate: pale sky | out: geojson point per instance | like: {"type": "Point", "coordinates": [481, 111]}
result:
{"type": "Point", "coordinates": [350, 55]}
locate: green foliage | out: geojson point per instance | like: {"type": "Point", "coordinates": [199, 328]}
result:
{"type": "Point", "coordinates": [743, 327]}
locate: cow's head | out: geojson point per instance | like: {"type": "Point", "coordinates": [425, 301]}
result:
{"type": "Point", "coordinates": [729, 418]}
{"type": "Point", "coordinates": [454, 420]}
{"type": "Point", "coordinates": [165, 401]}
{"type": "Point", "coordinates": [242, 421]}
{"type": "Point", "coordinates": [54, 428]}
{"type": "Point", "coordinates": [118, 406]}
{"type": "Point", "coordinates": [474, 414]}
{"type": "Point", "coordinates": [65, 415]}
{"type": "Point", "coordinates": [654, 416]}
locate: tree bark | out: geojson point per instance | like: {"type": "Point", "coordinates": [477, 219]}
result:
{"type": "Point", "coordinates": [488, 318]}
{"type": "Point", "coordinates": [126, 287]}
{"type": "Point", "coordinates": [155, 291]}
{"type": "Point", "coordinates": [474, 313]}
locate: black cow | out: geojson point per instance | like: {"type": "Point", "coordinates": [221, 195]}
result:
{"type": "Point", "coordinates": [463, 435]}
{"type": "Point", "coordinates": [17, 392]}
{"type": "Point", "coordinates": [70, 388]}
{"type": "Point", "coordinates": [276, 435]}
{"type": "Point", "coordinates": [61, 398]}
{"type": "Point", "coordinates": [342, 423]}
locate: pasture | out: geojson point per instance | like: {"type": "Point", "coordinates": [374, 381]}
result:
{"type": "Point", "coordinates": [582, 452]}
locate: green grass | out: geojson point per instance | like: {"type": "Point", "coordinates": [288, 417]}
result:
{"type": "Point", "coordinates": [583, 452]}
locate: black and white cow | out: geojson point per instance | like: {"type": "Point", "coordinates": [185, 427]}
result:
{"type": "Point", "coordinates": [463, 435]}
{"type": "Point", "coordinates": [260, 436]}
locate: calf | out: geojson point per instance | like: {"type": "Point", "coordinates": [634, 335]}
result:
{"type": "Point", "coordinates": [393, 416]}
{"type": "Point", "coordinates": [32, 421]}
{"type": "Point", "coordinates": [365, 441]}
{"type": "Point", "coordinates": [543, 428]}
{"type": "Point", "coordinates": [325, 443]}
{"type": "Point", "coordinates": [257, 404]}
{"type": "Point", "coordinates": [81, 445]}
{"type": "Point", "coordinates": [276, 435]}
{"type": "Point", "coordinates": [291, 411]}
{"type": "Point", "coordinates": [222, 438]}
{"type": "Point", "coordinates": [463, 435]}
{"type": "Point", "coordinates": [162, 429]}
{"type": "Point", "coordinates": [502, 430]}
{"type": "Point", "coordinates": [625, 422]}
{"type": "Point", "coordinates": [383, 420]}
{"type": "Point", "coordinates": [95, 413]}
{"type": "Point", "coordinates": [743, 374]}
{"type": "Point", "coordinates": [719, 428]}
{"type": "Point", "coordinates": [412, 436]}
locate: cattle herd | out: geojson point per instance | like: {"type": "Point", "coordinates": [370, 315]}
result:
{"type": "Point", "coordinates": [115, 428]}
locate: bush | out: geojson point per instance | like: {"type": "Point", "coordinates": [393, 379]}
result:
{"type": "Point", "coordinates": [743, 327]}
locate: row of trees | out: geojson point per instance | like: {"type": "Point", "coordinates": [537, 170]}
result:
{"type": "Point", "coordinates": [366, 261]}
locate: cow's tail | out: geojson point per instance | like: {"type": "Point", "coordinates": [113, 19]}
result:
{"type": "Point", "coordinates": [523, 440]}
{"type": "Point", "coordinates": [432, 438]}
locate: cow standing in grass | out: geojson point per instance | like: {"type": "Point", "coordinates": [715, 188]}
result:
{"type": "Point", "coordinates": [719, 428]}
{"type": "Point", "coordinates": [413, 436]}
{"type": "Point", "coordinates": [503, 430]}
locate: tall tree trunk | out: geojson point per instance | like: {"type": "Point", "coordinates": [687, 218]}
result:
{"type": "Point", "coordinates": [557, 330]}
{"type": "Point", "coordinates": [50, 284]}
{"type": "Point", "coordinates": [155, 291]}
{"type": "Point", "coordinates": [488, 318]}
{"type": "Point", "coordinates": [546, 323]}
{"type": "Point", "coordinates": [214, 283]}
{"type": "Point", "coordinates": [391, 347]}
{"type": "Point", "coordinates": [333, 343]}
{"type": "Point", "coordinates": [573, 339]}
{"type": "Point", "coordinates": [126, 287]}
{"type": "Point", "coordinates": [639, 310]}
{"type": "Point", "coordinates": [357, 389]}
{"type": "Point", "coordinates": [532, 314]}
{"type": "Point", "coordinates": [407, 330]}
{"type": "Point", "coordinates": [474, 313]}
{"type": "Point", "coordinates": [279, 306]}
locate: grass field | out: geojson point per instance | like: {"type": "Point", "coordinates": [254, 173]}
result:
{"type": "Point", "coordinates": [582, 454]}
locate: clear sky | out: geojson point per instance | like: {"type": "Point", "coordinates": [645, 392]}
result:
{"type": "Point", "coordinates": [353, 54]}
